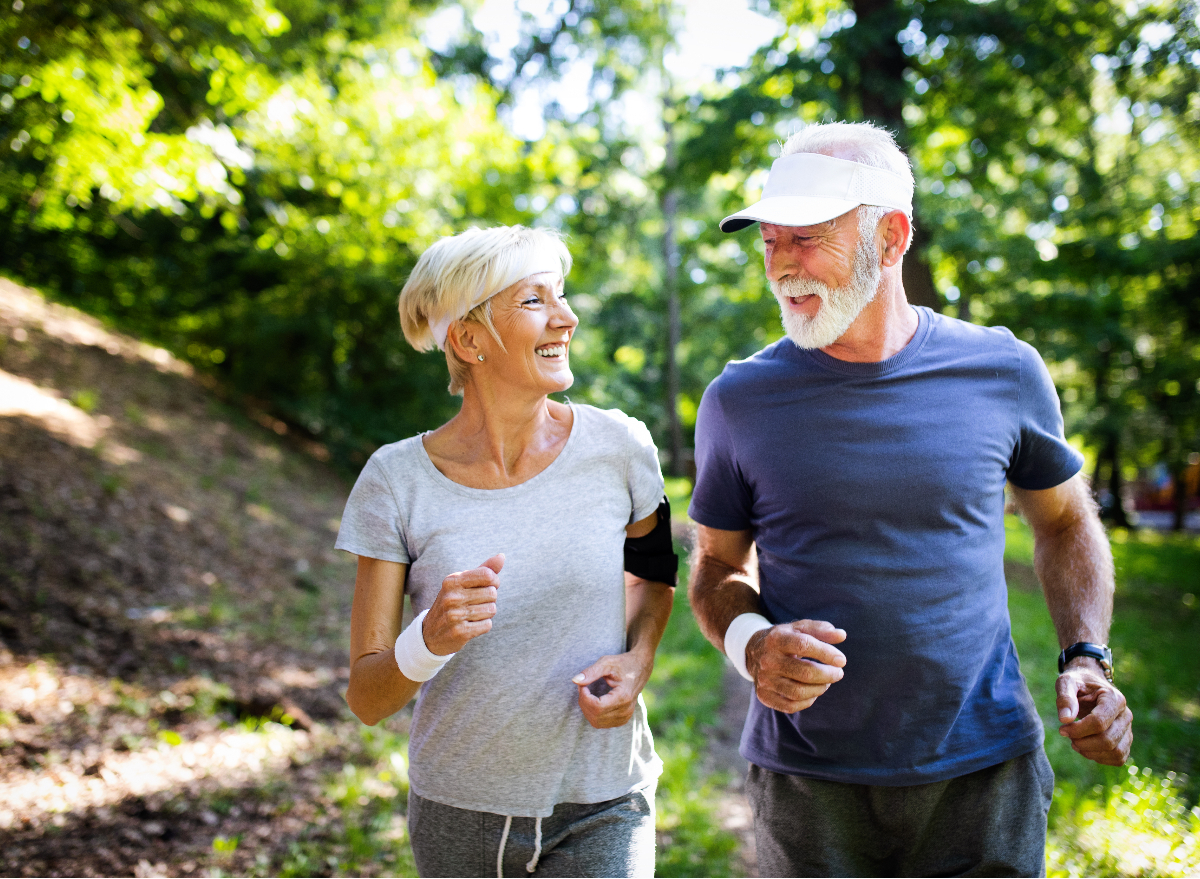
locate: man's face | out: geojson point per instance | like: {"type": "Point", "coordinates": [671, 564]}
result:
{"type": "Point", "coordinates": [823, 276]}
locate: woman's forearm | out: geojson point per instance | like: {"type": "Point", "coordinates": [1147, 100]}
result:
{"type": "Point", "coordinates": [378, 689]}
{"type": "Point", "coordinates": [647, 611]}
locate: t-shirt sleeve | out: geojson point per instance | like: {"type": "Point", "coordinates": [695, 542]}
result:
{"type": "Point", "coordinates": [371, 523]}
{"type": "Point", "coordinates": [1042, 458]}
{"type": "Point", "coordinates": [643, 474]}
{"type": "Point", "coordinates": [721, 498]}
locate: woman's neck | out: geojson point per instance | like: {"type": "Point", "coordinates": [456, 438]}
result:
{"type": "Point", "coordinates": [499, 442]}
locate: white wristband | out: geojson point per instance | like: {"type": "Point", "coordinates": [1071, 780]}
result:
{"type": "Point", "coordinates": [412, 656]}
{"type": "Point", "coordinates": [737, 636]}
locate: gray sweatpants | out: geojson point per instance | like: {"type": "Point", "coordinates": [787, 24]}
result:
{"type": "Point", "coordinates": [987, 823]}
{"type": "Point", "coordinates": [613, 838]}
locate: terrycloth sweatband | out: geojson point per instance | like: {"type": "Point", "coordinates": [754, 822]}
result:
{"type": "Point", "coordinates": [417, 661]}
{"type": "Point", "coordinates": [738, 635]}
{"type": "Point", "coordinates": [542, 258]}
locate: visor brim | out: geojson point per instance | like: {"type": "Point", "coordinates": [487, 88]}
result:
{"type": "Point", "coordinates": [791, 210]}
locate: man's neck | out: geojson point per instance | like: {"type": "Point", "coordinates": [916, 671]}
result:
{"type": "Point", "coordinates": [884, 327]}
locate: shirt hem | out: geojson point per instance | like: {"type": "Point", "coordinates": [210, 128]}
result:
{"type": "Point", "coordinates": [882, 777]}
{"type": "Point", "coordinates": [703, 517]}
{"type": "Point", "coordinates": [527, 811]}
{"type": "Point", "coordinates": [360, 550]}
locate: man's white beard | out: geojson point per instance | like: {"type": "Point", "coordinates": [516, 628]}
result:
{"type": "Point", "coordinates": [840, 306]}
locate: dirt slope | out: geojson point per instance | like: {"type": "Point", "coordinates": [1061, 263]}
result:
{"type": "Point", "coordinates": [166, 571]}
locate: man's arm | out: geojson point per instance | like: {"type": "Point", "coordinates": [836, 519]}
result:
{"type": "Point", "coordinates": [724, 585]}
{"type": "Point", "coordinates": [1074, 563]}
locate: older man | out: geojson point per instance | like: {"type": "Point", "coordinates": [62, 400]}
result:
{"type": "Point", "coordinates": [850, 492]}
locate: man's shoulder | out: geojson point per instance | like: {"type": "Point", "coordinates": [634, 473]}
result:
{"type": "Point", "coordinates": [950, 331]}
{"type": "Point", "coordinates": [777, 358]}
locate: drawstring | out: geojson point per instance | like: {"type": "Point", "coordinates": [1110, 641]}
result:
{"type": "Point", "coordinates": [537, 846]}
{"type": "Point", "coordinates": [503, 842]}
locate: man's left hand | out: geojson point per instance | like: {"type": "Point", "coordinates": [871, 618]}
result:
{"type": "Point", "coordinates": [1094, 716]}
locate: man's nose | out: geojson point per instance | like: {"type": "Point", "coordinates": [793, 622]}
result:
{"type": "Point", "coordinates": [780, 262]}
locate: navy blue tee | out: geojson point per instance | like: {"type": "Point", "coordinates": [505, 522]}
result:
{"type": "Point", "coordinates": [875, 496]}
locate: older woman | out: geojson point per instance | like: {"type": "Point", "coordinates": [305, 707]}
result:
{"type": "Point", "coordinates": [506, 526]}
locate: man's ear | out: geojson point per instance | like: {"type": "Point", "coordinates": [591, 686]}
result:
{"type": "Point", "coordinates": [897, 232]}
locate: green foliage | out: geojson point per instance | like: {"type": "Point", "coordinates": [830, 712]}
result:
{"type": "Point", "coordinates": [249, 183]}
{"type": "Point", "coordinates": [1140, 827]}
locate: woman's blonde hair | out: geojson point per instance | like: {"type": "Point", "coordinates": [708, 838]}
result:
{"type": "Point", "coordinates": [456, 277]}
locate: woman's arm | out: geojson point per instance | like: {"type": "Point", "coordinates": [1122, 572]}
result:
{"type": "Point", "coordinates": [377, 687]}
{"type": "Point", "coordinates": [463, 610]}
{"type": "Point", "coordinates": [620, 679]}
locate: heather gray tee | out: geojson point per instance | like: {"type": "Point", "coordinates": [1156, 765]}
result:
{"type": "Point", "coordinates": [499, 728]}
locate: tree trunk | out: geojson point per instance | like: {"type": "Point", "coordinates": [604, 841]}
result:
{"type": "Point", "coordinates": [670, 208]}
{"type": "Point", "coordinates": [1110, 452]}
{"type": "Point", "coordinates": [881, 64]}
{"type": "Point", "coordinates": [1179, 507]}
{"type": "Point", "coordinates": [1115, 483]}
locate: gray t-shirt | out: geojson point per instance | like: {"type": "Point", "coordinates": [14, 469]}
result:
{"type": "Point", "coordinates": [499, 728]}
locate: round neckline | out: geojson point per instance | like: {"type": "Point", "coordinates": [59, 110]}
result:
{"type": "Point", "coordinates": [880, 367]}
{"type": "Point", "coordinates": [532, 482]}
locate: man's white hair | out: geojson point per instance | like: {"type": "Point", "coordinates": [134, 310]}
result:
{"type": "Point", "coordinates": [859, 142]}
{"type": "Point", "coordinates": [457, 276]}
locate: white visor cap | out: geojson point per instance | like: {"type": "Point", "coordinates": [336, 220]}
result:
{"type": "Point", "coordinates": [804, 189]}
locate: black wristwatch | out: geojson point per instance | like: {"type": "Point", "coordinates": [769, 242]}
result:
{"type": "Point", "coordinates": [1098, 652]}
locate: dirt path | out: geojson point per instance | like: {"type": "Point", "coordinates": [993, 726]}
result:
{"type": "Point", "coordinates": [723, 755]}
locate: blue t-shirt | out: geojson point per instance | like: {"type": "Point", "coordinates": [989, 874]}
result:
{"type": "Point", "coordinates": [875, 495]}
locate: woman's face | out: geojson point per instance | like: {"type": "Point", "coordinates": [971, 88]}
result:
{"type": "Point", "coordinates": [536, 324]}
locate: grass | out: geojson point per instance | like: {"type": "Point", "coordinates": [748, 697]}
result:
{"type": "Point", "coordinates": [1133, 820]}
{"type": "Point", "coordinates": [359, 828]}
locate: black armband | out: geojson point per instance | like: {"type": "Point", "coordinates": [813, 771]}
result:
{"type": "Point", "coordinates": [652, 556]}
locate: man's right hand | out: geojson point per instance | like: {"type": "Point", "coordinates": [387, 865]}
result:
{"type": "Point", "coordinates": [794, 663]}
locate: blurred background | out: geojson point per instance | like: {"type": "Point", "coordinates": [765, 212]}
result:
{"type": "Point", "coordinates": [207, 210]}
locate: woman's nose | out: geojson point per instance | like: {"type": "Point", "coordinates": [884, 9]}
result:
{"type": "Point", "coordinates": [564, 316]}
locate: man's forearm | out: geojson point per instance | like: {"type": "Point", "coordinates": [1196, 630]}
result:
{"type": "Point", "coordinates": [719, 593]}
{"type": "Point", "coordinates": [1075, 566]}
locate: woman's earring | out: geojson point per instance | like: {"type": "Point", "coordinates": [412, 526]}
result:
{"type": "Point", "coordinates": [480, 358]}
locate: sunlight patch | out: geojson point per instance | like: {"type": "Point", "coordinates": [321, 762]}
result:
{"type": "Point", "coordinates": [20, 397]}
{"type": "Point", "coordinates": [232, 757]}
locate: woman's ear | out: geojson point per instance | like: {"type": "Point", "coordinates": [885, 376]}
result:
{"type": "Point", "coordinates": [464, 338]}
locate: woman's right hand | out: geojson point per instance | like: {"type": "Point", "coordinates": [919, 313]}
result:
{"type": "Point", "coordinates": [464, 608]}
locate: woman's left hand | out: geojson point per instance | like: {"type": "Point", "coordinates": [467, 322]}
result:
{"type": "Point", "coordinates": [609, 687]}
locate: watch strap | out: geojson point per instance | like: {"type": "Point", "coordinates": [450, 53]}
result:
{"type": "Point", "coordinates": [1099, 652]}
